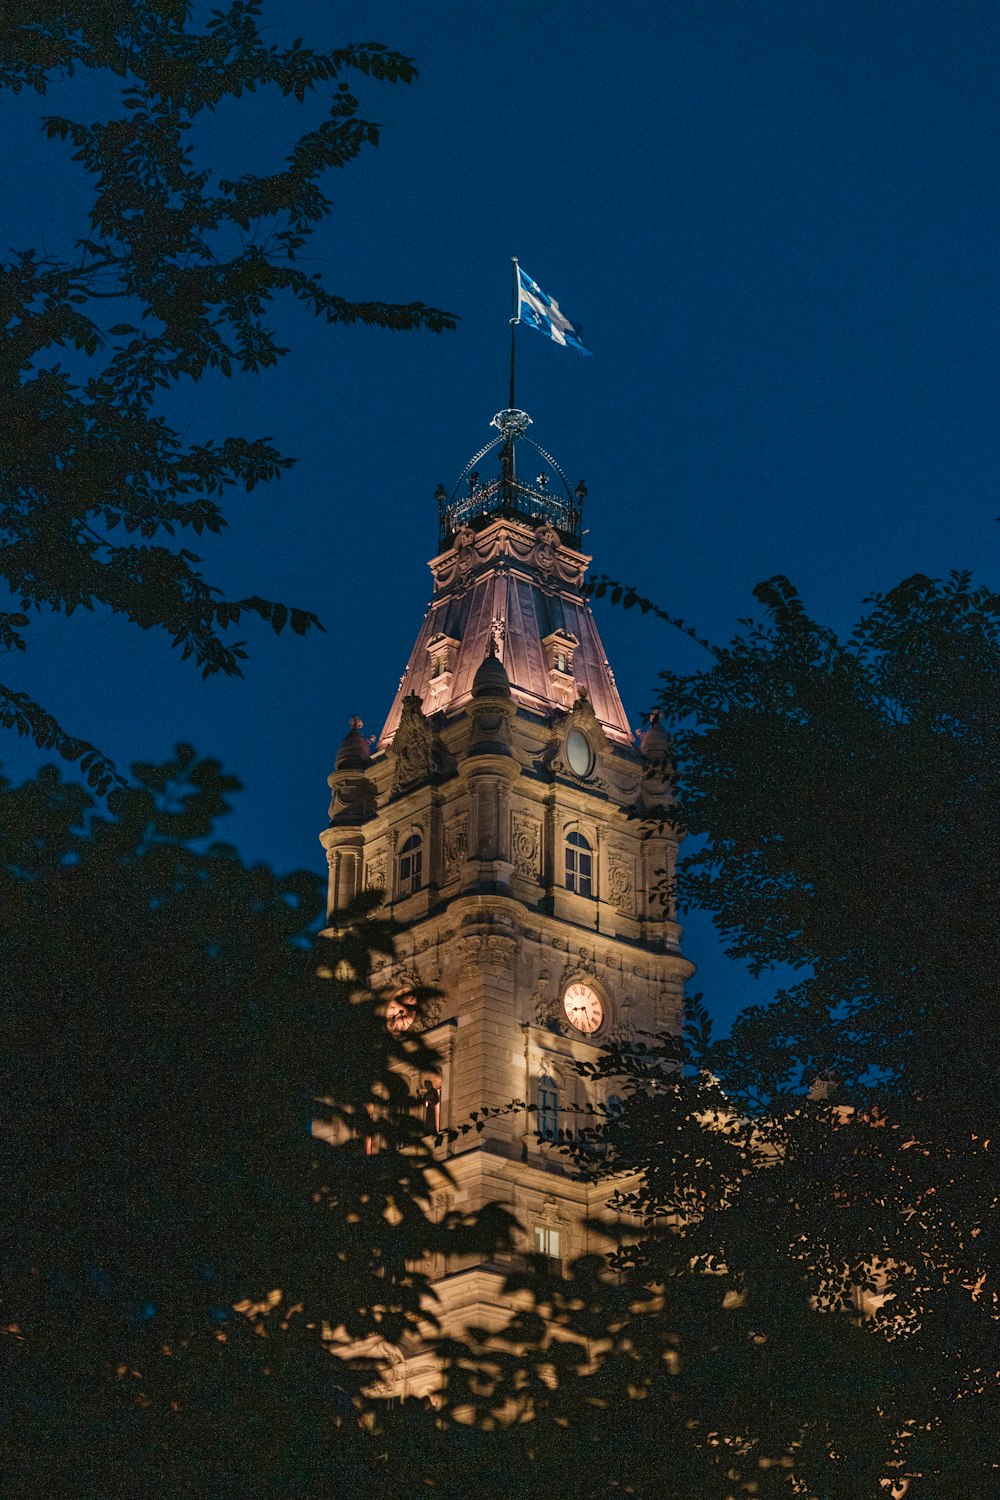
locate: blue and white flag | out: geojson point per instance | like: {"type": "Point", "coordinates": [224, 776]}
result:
{"type": "Point", "coordinates": [539, 310]}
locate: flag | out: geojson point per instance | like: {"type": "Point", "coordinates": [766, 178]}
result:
{"type": "Point", "coordinates": [539, 310]}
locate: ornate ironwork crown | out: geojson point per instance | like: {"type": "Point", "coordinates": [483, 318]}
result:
{"type": "Point", "coordinates": [507, 494]}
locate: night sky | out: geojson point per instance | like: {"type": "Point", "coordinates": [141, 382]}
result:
{"type": "Point", "coordinates": [778, 224]}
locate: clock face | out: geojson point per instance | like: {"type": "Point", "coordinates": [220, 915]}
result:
{"type": "Point", "coordinates": [583, 1006]}
{"type": "Point", "coordinates": [399, 1015]}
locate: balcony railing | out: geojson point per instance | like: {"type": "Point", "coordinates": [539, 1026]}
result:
{"type": "Point", "coordinates": [513, 500]}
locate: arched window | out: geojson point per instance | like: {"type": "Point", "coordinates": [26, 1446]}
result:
{"type": "Point", "coordinates": [410, 866]}
{"type": "Point", "coordinates": [579, 865]}
{"type": "Point", "coordinates": [548, 1107]}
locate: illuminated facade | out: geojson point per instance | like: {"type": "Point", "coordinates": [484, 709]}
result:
{"type": "Point", "coordinates": [511, 819]}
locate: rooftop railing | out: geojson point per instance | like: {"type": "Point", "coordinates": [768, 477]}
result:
{"type": "Point", "coordinates": [513, 500]}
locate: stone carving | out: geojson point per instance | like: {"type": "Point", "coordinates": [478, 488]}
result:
{"type": "Point", "coordinates": [456, 844]}
{"type": "Point", "coordinates": [621, 891]}
{"type": "Point", "coordinates": [525, 840]}
{"type": "Point", "coordinates": [624, 781]}
{"type": "Point", "coordinates": [375, 880]}
{"type": "Point", "coordinates": [431, 1012]}
{"type": "Point", "coordinates": [544, 554]}
{"type": "Point", "coordinates": [490, 725]}
{"type": "Point", "coordinates": [390, 1366]}
{"type": "Point", "coordinates": [469, 950]}
{"type": "Point", "coordinates": [352, 799]}
{"type": "Point", "coordinates": [477, 948]}
{"type": "Point", "coordinates": [623, 1029]}
{"type": "Point", "coordinates": [471, 549]}
{"type": "Point", "coordinates": [403, 979]}
{"type": "Point", "coordinates": [581, 716]}
{"type": "Point", "coordinates": [465, 551]}
{"type": "Point", "coordinates": [503, 948]}
{"type": "Point", "coordinates": [411, 747]}
{"type": "Point", "coordinates": [546, 1004]}
{"type": "Point", "coordinates": [576, 968]}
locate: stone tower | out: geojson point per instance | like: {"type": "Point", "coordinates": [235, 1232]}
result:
{"type": "Point", "coordinates": [511, 820]}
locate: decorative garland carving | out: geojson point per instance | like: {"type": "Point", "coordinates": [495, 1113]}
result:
{"type": "Point", "coordinates": [525, 841]}
{"type": "Point", "coordinates": [456, 845]}
{"type": "Point", "coordinates": [541, 550]}
{"type": "Point", "coordinates": [620, 881]}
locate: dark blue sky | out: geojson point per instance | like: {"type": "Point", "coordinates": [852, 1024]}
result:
{"type": "Point", "coordinates": [778, 224]}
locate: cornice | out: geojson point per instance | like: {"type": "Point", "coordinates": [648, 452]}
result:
{"type": "Point", "coordinates": [540, 550]}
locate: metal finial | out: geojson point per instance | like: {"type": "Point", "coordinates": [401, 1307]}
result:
{"type": "Point", "coordinates": [511, 423]}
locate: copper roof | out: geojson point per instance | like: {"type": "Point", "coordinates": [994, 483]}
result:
{"type": "Point", "coordinates": [522, 587]}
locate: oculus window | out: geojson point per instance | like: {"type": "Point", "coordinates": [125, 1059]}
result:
{"type": "Point", "coordinates": [578, 753]}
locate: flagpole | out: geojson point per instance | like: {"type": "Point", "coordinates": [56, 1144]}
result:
{"type": "Point", "coordinates": [514, 320]}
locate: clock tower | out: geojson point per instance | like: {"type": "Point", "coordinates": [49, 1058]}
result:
{"type": "Point", "coordinates": [515, 827]}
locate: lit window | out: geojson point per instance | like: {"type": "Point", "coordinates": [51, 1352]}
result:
{"type": "Point", "coordinates": [430, 1105]}
{"type": "Point", "coordinates": [547, 1241]}
{"type": "Point", "coordinates": [548, 1108]}
{"type": "Point", "coordinates": [411, 860]}
{"type": "Point", "coordinates": [579, 865]}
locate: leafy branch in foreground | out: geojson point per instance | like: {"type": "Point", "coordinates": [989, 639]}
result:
{"type": "Point", "coordinates": [629, 598]}
{"type": "Point", "coordinates": [219, 1205]}
{"type": "Point", "coordinates": [174, 280]}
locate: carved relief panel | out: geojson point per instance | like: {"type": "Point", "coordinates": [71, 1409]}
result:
{"type": "Point", "coordinates": [620, 883]}
{"type": "Point", "coordinates": [375, 872]}
{"type": "Point", "coordinates": [526, 844]}
{"type": "Point", "coordinates": [456, 845]}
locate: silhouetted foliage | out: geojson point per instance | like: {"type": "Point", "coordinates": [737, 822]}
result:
{"type": "Point", "coordinates": [175, 277]}
{"type": "Point", "coordinates": [170, 1029]}
{"type": "Point", "coordinates": [802, 1297]}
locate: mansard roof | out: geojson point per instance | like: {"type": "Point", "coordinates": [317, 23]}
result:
{"type": "Point", "coordinates": [521, 586]}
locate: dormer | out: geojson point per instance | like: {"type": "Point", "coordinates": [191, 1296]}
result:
{"type": "Point", "coordinates": [559, 648]}
{"type": "Point", "coordinates": [441, 652]}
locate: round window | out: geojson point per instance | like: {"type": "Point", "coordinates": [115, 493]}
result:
{"type": "Point", "coordinates": [579, 753]}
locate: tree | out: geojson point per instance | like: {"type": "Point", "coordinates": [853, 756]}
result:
{"type": "Point", "coordinates": [803, 1297]}
{"type": "Point", "coordinates": [175, 278]}
{"type": "Point", "coordinates": [845, 790]}
{"type": "Point", "coordinates": [170, 1029]}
